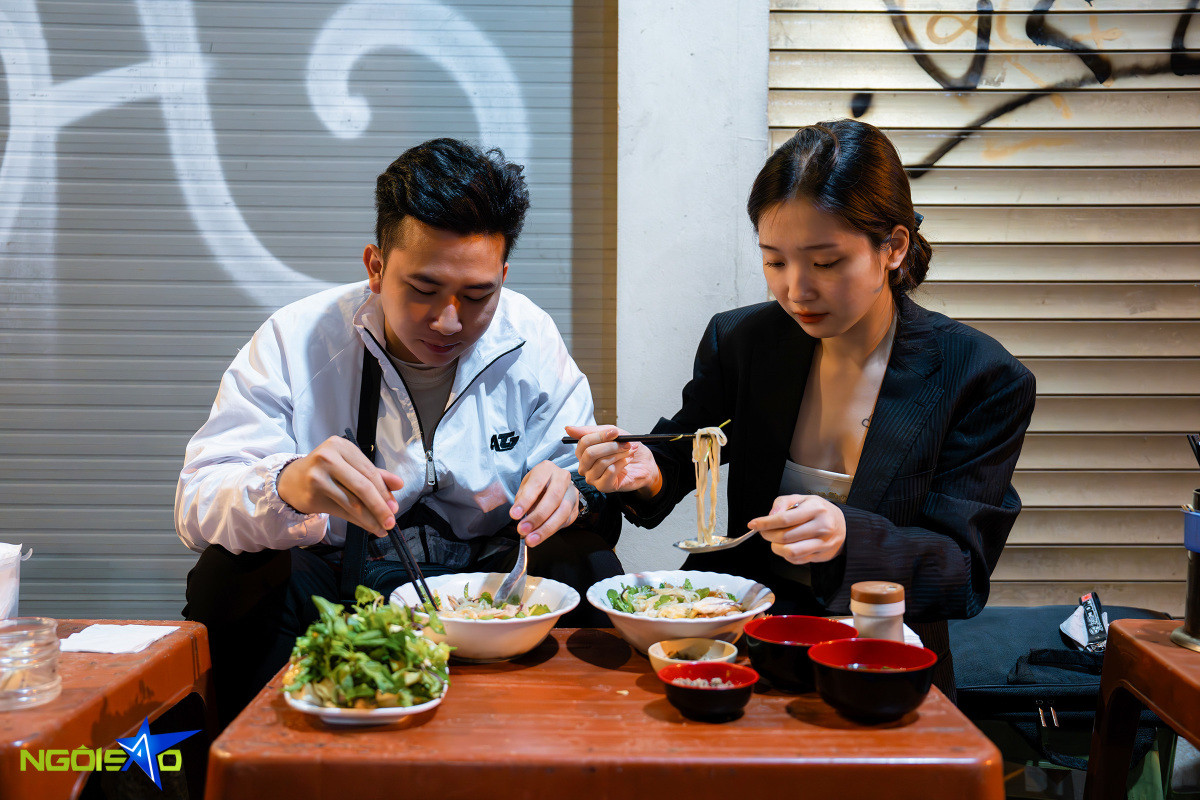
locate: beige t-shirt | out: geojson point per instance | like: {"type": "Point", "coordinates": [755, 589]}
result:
{"type": "Point", "coordinates": [799, 479]}
{"type": "Point", "coordinates": [429, 387]}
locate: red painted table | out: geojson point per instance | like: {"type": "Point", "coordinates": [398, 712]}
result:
{"type": "Point", "coordinates": [1142, 668]}
{"type": "Point", "coordinates": [104, 697]}
{"type": "Point", "coordinates": [584, 716]}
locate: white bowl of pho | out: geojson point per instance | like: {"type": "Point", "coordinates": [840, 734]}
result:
{"type": "Point", "coordinates": [648, 607]}
{"type": "Point", "coordinates": [481, 630]}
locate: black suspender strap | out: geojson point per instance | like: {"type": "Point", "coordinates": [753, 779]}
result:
{"type": "Point", "coordinates": [355, 554]}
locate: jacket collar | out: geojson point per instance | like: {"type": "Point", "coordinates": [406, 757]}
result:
{"type": "Point", "coordinates": [914, 347]}
{"type": "Point", "coordinates": [783, 368]}
{"type": "Point", "coordinates": [906, 397]}
{"type": "Point", "coordinates": [500, 337]}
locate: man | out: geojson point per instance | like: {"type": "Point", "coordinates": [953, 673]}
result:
{"type": "Point", "coordinates": [457, 388]}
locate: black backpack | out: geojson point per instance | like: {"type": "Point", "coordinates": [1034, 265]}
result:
{"type": "Point", "coordinates": [1013, 665]}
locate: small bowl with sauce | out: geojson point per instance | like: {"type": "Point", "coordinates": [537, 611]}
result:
{"type": "Point", "coordinates": [681, 651]}
{"type": "Point", "coordinates": [709, 691]}
{"type": "Point", "coordinates": [872, 680]}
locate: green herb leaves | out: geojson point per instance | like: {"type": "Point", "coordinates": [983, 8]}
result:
{"type": "Point", "coordinates": [373, 657]}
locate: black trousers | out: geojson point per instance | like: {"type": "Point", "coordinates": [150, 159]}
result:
{"type": "Point", "coordinates": [256, 604]}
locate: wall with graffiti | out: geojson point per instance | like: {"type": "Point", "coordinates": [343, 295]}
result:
{"type": "Point", "coordinates": [172, 172]}
{"type": "Point", "coordinates": [1054, 149]}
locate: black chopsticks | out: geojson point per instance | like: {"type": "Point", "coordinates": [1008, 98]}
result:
{"type": "Point", "coordinates": [641, 437]}
{"type": "Point", "coordinates": [1194, 441]}
{"type": "Point", "coordinates": [402, 550]}
{"type": "Point", "coordinates": [411, 566]}
{"type": "Point", "coordinates": [652, 437]}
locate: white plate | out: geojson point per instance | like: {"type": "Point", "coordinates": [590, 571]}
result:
{"type": "Point", "coordinates": [360, 716]}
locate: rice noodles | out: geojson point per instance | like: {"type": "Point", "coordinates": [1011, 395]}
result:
{"type": "Point", "coordinates": [706, 455]}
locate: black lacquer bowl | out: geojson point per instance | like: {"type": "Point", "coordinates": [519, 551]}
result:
{"type": "Point", "coordinates": [872, 680]}
{"type": "Point", "coordinates": [779, 646]}
{"type": "Point", "coordinates": [709, 703]}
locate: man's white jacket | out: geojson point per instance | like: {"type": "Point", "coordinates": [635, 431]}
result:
{"type": "Point", "coordinates": [297, 383]}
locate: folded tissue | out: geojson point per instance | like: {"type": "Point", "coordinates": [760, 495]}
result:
{"type": "Point", "coordinates": [114, 638]}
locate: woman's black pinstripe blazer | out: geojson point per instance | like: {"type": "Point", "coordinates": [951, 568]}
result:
{"type": "Point", "coordinates": [932, 501]}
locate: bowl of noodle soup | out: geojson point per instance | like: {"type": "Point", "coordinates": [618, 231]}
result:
{"type": "Point", "coordinates": [673, 618]}
{"type": "Point", "coordinates": [482, 640]}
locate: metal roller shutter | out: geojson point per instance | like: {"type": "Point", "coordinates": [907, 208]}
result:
{"type": "Point", "coordinates": [1053, 149]}
{"type": "Point", "coordinates": [173, 171]}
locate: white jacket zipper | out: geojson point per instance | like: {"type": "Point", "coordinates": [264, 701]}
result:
{"type": "Point", "coordinates": [430, 472]}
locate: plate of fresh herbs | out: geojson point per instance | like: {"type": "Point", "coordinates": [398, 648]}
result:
{"type": "Point", "coordinates": [370, 665]}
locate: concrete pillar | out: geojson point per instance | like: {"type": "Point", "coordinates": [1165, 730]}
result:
{"type": "Point", "coordinates": [692, 134]}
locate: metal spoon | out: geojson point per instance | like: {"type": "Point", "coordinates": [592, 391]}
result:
{"type": "Point", "coordinates": [719, 543]}
{"type": "Point", "coordinates": [514, 581]}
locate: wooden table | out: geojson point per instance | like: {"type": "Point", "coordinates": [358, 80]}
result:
{"type": "Point", "coordinates": [1142, 667]}
{"type": "Point", "coordinates": [104, 697]}
{"type": "Point", "coordinates": [584, 716]}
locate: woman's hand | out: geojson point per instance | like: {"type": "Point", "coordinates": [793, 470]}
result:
{"type": "Point", "coordinates": [803, 528]}
{"type": "Point", "coordinates": [613, 467]}
{"type": "Point", "coordinates": [336, 478]}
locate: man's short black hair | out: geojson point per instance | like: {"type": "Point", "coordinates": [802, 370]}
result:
{"type": "Point", "coordinates": [453, 186]}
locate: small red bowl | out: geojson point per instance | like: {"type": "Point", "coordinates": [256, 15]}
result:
{"type": "Point", "coordinates": [709, 703]}
{"type": "Point", "coordinates": [872, 680]}
{"type": "Point", "coordinates": [779, 646]}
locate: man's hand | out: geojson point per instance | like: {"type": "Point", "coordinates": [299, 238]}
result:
{"type": "Point", "coordinates": [803, 528]}
{"type": "Point", "coordinates": [613, 467]}
{"type": "Point", "coordinates": [546, 502]}
{"type": "Point", "coordinates": [336, 478]}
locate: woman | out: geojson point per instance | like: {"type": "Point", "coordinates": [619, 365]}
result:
{"type": "Point", "coordinates": [868, 438]}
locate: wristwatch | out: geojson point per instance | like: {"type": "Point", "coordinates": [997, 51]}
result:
{"type": "Point", "coordinates": [584, 508]}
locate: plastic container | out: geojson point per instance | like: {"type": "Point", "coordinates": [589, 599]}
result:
{"type": "Point", "coordinates": [1188, 634]}
{"type": "Point", "coordinates": [10, 578]}
{"type": "Point", "coordinates": [28, 662]}
{"type": "Point", "coordinates": [878, 608]}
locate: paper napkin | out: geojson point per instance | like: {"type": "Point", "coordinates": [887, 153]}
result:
{"type": "Point", "coordinates": [114, 638]}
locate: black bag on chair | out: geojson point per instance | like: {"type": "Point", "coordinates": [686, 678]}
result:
{"type": "Point", "coordinates": [1013, 665]}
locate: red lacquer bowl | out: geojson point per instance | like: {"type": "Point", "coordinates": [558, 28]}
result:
{"type": "Point", "coordinates": [709, 704]}
{"type": "Point", "coordinates": [872, 680]}
{"type": "Point", "coordinates": [779, 646]}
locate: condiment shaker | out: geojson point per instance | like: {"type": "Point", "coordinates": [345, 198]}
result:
{"type": "Point", "coordinates": [878, 608]}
